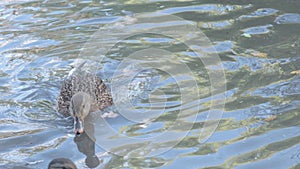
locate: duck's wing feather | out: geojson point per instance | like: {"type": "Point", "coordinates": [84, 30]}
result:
{"type": "Point", "coordinates": [64, 97]}
{"type": "Point", "coordinates": [103, 96]}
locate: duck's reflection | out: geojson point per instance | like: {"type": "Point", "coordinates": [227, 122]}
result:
{"type": "Point", "coordinates": [86, 145]}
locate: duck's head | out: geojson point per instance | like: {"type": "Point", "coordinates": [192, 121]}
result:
{"type": "Point", "coordinates": [61, 163]}
{"type": "Point", "coordinates": [80, 108]}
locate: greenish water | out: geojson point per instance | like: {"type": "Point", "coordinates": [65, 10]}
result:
{"type": "Point", "coordinates": [257, 42]}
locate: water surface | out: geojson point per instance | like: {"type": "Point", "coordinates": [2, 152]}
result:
{"type": "Point", "coordinates": [258, 43]}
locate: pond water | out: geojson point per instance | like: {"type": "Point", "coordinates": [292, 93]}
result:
{"type": "Point", "coordinates": [234, 104]}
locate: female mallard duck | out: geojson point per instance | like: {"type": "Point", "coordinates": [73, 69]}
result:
{"type": "Point", "coordinates": [80, 94]}
{"type": "Point", "coordinates": [61, 163]}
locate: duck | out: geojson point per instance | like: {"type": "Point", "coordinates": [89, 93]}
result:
{"type": "Point", "coordinates": [61, 163]}
{"type": "Point", "coordinates": [81, 93]}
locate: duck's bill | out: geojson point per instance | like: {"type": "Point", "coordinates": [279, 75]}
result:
{"type": "Point", "coordinates": [78, 126]}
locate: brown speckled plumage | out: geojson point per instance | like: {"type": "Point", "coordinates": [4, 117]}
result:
{"type": "Point", "coordinates": [81, 81]}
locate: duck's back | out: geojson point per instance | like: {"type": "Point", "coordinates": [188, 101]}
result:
{"type": "Point", "coordinates": [83, 82]}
